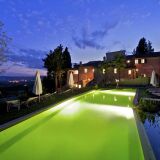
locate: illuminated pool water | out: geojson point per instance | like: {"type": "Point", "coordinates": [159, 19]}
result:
{"type": "Point", "coordinates": [95, 126]}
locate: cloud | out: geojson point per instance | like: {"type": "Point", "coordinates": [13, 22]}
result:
{"type": "Point", "coordinates": [13, 69]}
{"type": "Point", "coordinates": [94, 38]}
{"type": "Point", "coordinates": [27, 57]}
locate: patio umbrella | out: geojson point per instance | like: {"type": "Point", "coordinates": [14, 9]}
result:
{"type": "Point", "coordinates": [154, 81]}
{"type": "Point", "coordinates": [37, 89]}
{"type": "Point", "coordinates": [71, 81]}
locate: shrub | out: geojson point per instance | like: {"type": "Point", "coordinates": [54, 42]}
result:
{"type": "Point", "coordinates": [141, 81]}
{"type": "Point", "coordinates": [148, 106]}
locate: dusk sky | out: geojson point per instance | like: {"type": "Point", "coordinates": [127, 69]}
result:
{"type": "Point", "coordinates": [89, 28]}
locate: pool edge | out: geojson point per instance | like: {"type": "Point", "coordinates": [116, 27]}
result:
{"type": "Point", "coordinates": [146, 146]}
{"type": "Point", "coordinates": [25, 117]}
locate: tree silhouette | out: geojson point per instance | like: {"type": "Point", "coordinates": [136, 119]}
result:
{"type": "Point", "coordinates": [143, 48]}
{"type": "Point", "coordinates": [119, 63]}
{"type": "Point", "coordinates": [150, 48]}
{"type": "Point", "coordinates": [57, 63]}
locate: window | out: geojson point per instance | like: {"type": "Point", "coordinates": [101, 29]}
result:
{"type": "Point", "coordinates": [128, 61]}
{"type": "Point", "coordinates": [103, 71]}
{"type": "Point", "coordinates": [129, 72]}
{"type": "Point", "coordinates": [115, 70]}
{"type": "Point", "coordinates": [136, 61]}
{"type": "Point", "coordinates": [85, 70]}
{"type": "Point", "coordinates": [137, 70]}
{"type": "Point", "coordinates": [142, 60]}
{"type": "Point", "coordinates": [76, 72]}
{"type": "Point", "coordinates": [144, 75]}
{"type": "Point", "coordinates": [93, 70]}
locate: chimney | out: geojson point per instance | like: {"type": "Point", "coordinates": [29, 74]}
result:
{"type": "Point", "coordinates": [80, 63]}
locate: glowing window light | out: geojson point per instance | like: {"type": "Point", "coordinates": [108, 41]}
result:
{"type": "Point", "coordinates": [128, 61]}
{"type": "Point", "coordinates": [93, 70]}
{"type": "Point", "coordinates": [142, 60]}
{"type": "Point", "coordinates": [79, 86]}
{"type": "Point", "coordinates": [136, 61]}
{"type": "Point", "coordinates": [137, 70]}
{"type": "Point", "coordinates": [85, 70]}
{"type": "Point", "coordinates": [76, 72]}
{"type": "Point", "coordinates": [115, 70]}
{"type": "Point", "coordinates": [76, 85]}
{"type": "Point", "coordinates": [145, 75]}
{"type": "Point", "coordinates": [129, 72]}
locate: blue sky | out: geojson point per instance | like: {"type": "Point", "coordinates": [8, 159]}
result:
{"type": "Point", "coordinates": [89, 28]}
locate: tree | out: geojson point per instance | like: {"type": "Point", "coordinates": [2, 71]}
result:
{"type": "Point", "coordinates": [142, 48]}
{"type": "Point", "coordinates": [57, 63]}
{"type": "Point", "coordinates": [4, 40]}
{"type": "Point", "coordinates": [119, 63]}
{"type": "Point", "coordinates": [134, 52]}
{"type": "Point", "coordinates": [66, 65]}
{"type": "Point", "coordinates": [67, 59]}
{"type": "Point", "coordinates": [150, 48]}
{"type": "Point", "coordinates": [107, 66]}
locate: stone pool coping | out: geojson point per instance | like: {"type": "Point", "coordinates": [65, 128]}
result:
{"type": "Point", "coordinates": [146, 146]}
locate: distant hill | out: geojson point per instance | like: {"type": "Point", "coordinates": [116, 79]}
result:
{"type": "Point", "coordinates": [9, 78]}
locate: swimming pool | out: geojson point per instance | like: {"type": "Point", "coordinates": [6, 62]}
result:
{"type": "Point", "coordinates": [97, 125]}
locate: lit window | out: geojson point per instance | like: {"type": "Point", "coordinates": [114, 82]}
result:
{"type": "Point", "coordinates": [128, 61]}
{"type": "Point", "coordinates": [129, 72]}
{"type": "Point", "coordinates": [136, 61]}
{"type": "Point", "coordinates": [142, 61]}
{"type": "Point", "coordinates": [93, 70]}
{"type": "Point", "coordinates": [76, 72]}
{"type": "Point", "coordinates": [144, 75]}
{"type": "Point", "coordinates": [103, 71]}
{"type": "Point", "coordinates": [137, 70]}
{"type": "Point", "coordinates": [85, 70]}
{"type": "Point", "coordinates": [115, 70]}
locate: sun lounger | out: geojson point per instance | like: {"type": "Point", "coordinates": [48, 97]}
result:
{"type": "Point", "coordinates": [154, 100]}
{"type": "Point", "coordinates": [13, 103]}
{"type": "Point", "coordinates": [29, 101]}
